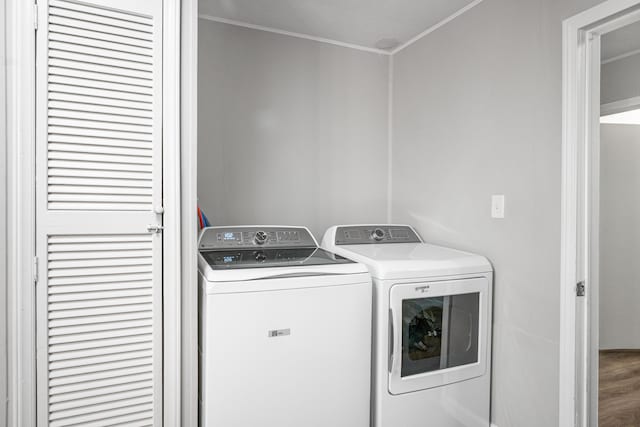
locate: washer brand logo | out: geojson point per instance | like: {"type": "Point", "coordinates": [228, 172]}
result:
{"type": "Point", "coordinates": [422, 289]}
{"type": "Point", "coordinates": [279, 333]}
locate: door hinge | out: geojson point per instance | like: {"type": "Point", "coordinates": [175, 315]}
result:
{"type": "Point", "coordinates": [580, 289]}
{"type": "Point", "coordinates": [36, 276]}
{"type": "Point", "coordinates": [35, 16]}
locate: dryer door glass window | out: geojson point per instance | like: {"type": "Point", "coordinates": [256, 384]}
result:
{"type": "Point", "coordinates": [439, 332]}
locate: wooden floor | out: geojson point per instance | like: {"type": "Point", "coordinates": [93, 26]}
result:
{"type": "Point", "coordinates": [619, 395]}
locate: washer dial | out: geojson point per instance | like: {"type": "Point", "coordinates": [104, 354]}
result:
{"type": "Point", "coordinates": [378, 234]}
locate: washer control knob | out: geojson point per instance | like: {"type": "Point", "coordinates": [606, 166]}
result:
{"type": "Point", "coordinates": [261, 237]}
{"type": "Point", "coordinates": [378, 234]}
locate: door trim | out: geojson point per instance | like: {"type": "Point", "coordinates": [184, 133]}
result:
{"type": "Point", "coordinates": [21, 298]}
{"type": "Point", "coordinates": [171, 237]}
{"type": "Point", "coordinates": [580, 124]}
{"type": "Point", "coordinates": [189, 179]}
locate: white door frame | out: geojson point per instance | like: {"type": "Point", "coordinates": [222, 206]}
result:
{"type": "Point", "coordinates": [3, 223]}
{"type": "Point", "coordinates": [172, 202]}
{"type": "Point", "coordinates": [579, 220]}
{"type": "Point", "coordinates": [189, 180]}
{"type": "Point", "coordinates": [21, 298]}
{"type": "Point", "coordinates": [20, 39]}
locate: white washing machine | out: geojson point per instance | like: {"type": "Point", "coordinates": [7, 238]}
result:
{"type": "Point", "coordinates": [432, 327]}
{"type": "Point", "coordinates": [285, 331]}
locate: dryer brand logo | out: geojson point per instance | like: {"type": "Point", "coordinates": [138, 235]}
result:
{"type": "Point", "coordinates": [423, 289]}
{"type": "Point", "coordinates": [279, 333]}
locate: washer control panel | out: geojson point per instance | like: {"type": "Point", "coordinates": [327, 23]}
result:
{"type": "Point", "coordinates": [370, 234]}
{"type": "Point", "coordinates": [255, 236]}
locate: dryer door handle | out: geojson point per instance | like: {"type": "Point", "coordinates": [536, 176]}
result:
{"type": "Point", "coordinates": [391, 340]}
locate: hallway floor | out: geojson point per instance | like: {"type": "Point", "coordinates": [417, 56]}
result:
{"type": "Point", "coordinates": [619, 399]}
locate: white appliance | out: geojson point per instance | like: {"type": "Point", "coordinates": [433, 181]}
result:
{"type": "Point", "coordinates": [285, 331]}
{"type": "Point", "coordinates": [432, 327]}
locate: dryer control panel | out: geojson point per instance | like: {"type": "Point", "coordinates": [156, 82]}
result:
{"type": "Point", "coordinates": [371, 234]}
{"type": "Point", "coordinates": [248, 237]}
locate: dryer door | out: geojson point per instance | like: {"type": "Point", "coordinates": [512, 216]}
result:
{"type": "Point", "coordinates": [439, 333]}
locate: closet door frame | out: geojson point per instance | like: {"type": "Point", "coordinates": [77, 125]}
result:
{"type": "Point", "coordinates": [189, 182]}
{"type": "Point", "coordinates": [21, 269]}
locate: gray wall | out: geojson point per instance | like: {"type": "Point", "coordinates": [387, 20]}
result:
{"type": "Point", "coordinates": [478, 111]}
{"type": "Point", "coordinates": [619, 79]}
{"type": "Point", "coordinates": [290, 131]}
{"type": "Point", "coordinates": [619, 236]}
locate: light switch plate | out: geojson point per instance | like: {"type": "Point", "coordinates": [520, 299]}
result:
{"type": "Point", "coordinates": [497, 206]}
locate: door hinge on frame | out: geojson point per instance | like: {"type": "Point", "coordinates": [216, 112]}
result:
{"type": "Point", "coordinates": [35, 16]}
{"type": "Point", "coordinates": [36, 276]}
{"type": "Point", "coordinates": [580, 289]}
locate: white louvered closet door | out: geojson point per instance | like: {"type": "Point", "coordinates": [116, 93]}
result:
{"type": "Point", "coordinates": [99, 187]}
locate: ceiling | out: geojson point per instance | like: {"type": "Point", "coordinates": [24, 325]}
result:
{"type": "Point", "coordinates": [360, 22]}
{"type": "Point", "coordinates": [620, 42]}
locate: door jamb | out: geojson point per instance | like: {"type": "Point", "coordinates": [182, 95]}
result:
{"type": "Point", "coordinates": [580, 90]}
{"type": "Point", "coordinates": [189, 182]}
{"type": "Point", "coordinates": [171, 238]}
{"type": "Point", "coordinates": [21, 298]}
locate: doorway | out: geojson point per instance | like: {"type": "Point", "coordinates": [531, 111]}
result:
{"type": "Point", "coordinates": [591, 219]}
{"type": "Point", "coordinates": [619, 296]}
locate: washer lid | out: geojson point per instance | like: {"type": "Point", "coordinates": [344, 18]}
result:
{"type": "Point", "coordinates": [282, 271]}
{"type": "Point", "coordinates": [414, 260]}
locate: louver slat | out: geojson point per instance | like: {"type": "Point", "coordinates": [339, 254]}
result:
{"type": "Point", "coordinates": [115, 415]}
{"type": "Point", "coordinates": [98, 52]}
{"type": "Point", "coordinates": [100, 108]}
{"type": "Point", "coordinates": [61, 324]}
{"type": "Point", "coordinates": [83, 40]}
{"type": "Point", "coordinates": [78, 112]}
{"type": "Point", "coordinates": [97, 400]}
{"type": "Point", "coordinates": [104, 17]}
{"type": "Point", "coordinates": [96, 182]}
{"type": "Point", "coordinates": [126, 17]}
{"type": "Point", "coordinates": [85, 82]}
{"type": "Point", "coordinates": [125, 383]}
{"type": "Point", "coordinates": [88, 393]}
{"type": "Point", "coordinates": [103, 166]}
{"type": "Point", "coordinates": [90, 353]}
{"type": "Point", "coordinates": [135, 108]}
{"type": "Point", "coordinates": [99, 133]}
{"type": "Point", "coordinates": [76, 56]}
{"type": "Point", "coordinates": [100, 329]}
{"type": "Point", "coordinates": [85, 76]}
{"type": "Point", "coordinates": [97, 94]}
{"type": "Point", "coordinates": [106, 110]}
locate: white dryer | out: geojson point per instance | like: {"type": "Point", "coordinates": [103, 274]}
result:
{"type": "Point", "coordinates": [432, 327]}
{"type": "Point", "coordinates": [285, 331]}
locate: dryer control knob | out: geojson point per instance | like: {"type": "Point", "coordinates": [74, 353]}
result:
{"type": "Point", "coordinates": [261, 237]}
{"type": "Point", "coordinates": [378, 234]}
